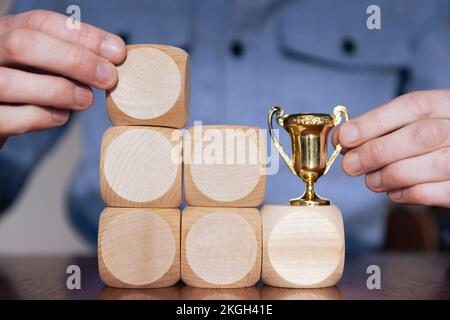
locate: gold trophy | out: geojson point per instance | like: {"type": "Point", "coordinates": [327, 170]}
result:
{"type": "Point", "coordinates": [304, 242]}
{"type": "Point", "coordinates": [309, 138]}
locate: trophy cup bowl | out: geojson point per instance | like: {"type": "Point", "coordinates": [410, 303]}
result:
{"type": "Point", "coordinates": [309, 139]}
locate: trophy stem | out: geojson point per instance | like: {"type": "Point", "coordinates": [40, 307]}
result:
{"type": "Point", "coordinates": [309, 197]}
{"type": "Point", "coordinates": [310, 192]}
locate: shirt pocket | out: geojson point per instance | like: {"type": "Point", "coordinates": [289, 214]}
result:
{"type": "Point", "coordinates": [333, 58]}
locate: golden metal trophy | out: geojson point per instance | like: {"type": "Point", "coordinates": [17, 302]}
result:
{"type": "Point", "coordinates": [309, 138]}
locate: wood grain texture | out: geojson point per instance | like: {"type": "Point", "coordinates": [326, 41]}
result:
{"type": "Point", "coordinates": [166, 293]}
{"type": "Point", "coordinates": [303, 247]}
{"type": "Point", "coordinates": [139, 248]}
{"type": "Point", "coordinates": [141, 167]}
{"type": "Point", "coordinates": [153, 87]}
{"type": "Point", "coordinates": [247, 293]}
{"type": "Point", "coordinates": [224, 166]}
{"type": "Point", "coordinates": [220, 247]}
{"type": "Point", "coordinates": [276, 293]}
{"type": "Point", "coordinates": [404, 276]}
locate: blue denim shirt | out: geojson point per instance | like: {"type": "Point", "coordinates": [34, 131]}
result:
{"type": "Point", "coordinates": [248, 55]}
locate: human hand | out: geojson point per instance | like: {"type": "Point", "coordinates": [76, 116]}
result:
{"type": "Point", "coordinates": [403, 148]}
{"type": "Point", "coordinates": [47, 69]}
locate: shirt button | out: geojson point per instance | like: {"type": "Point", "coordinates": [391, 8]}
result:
{"type": "Point", "coordinates": [236, 48]}
{"type": "Point", "coordinates": [348, 46]}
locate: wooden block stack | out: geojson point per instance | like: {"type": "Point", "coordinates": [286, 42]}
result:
{"type": "Point", "coordinates": [223, 241]}
{"type": "Point", "coordinates": [224, 182]}
{"type": "Point", "coordinates": [140, 169]}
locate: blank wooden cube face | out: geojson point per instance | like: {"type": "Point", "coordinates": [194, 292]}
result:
{"type": "Point", "coordinates": [224, 166]}
{"type": "Point", "coordinates": [141, 167]}
{"type": "Point", "coordinates": [221, 247]}
{"type": "Point", "coordinates": [139, 248]}
{"type": "Point", "coordinates": [303, 247]}
{"type": "Point", "coordinates": [153, 88]}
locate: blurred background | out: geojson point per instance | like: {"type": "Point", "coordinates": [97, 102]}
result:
{"type": "Point", "coordinates": [42, 202]}
{"type": "Point", "coordinates": [37, 222]}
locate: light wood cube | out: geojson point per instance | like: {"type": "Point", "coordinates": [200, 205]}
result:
{"type": "Point", "coordinates": [141, 167]}
{"type": "Point", "coordinates": [220, 247]}
{"type": "Point", "coordinates": [224, 166]}
{"type": "Point", "coordinates": [303, 247]}
{"type": "Point", "coordinates": [139, 248]}
{"type": "Point", "coordinates": [153, 88]}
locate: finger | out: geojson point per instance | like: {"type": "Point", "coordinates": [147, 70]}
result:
{"type": "Point", "coordinates": [36, 49]}
{"type": "Point", "coordinates": [104, 44]}
{"type": "Point", "coordinates": [431, 194]}
{"type": "Point", "coordinates": [415, 139]}
{"type": "Point", "coordinates": [335, 140]}
{"type": "Point", "coordinates": [430, 167]}
{"type": "Point", "coordinates": [29, 88]}
{"type": "Point", "coordinates": [16, 120]}
{"type": "Point", "coordinates": [394, 115]}
{"type": "Point", "coordinates": [335, 137]}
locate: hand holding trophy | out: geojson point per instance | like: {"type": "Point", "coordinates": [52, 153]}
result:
{"type": "Point", "coordinates": [304, 244]}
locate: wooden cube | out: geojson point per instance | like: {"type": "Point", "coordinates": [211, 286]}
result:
{"type": "Point", "coordinates": [141, 167]}
{"type": "Point", "coordinates": [139, 248]}
{"type": "Point", "coordinates": [153, 88]}
{"type": "Point", "coordinates": [303, 247]}
{"type": "Point", "coordinates": [220, 247]}
{"type": "Point", "coordinates": [224, 166]}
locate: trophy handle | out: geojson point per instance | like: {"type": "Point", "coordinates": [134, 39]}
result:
{"type": "Point", "coordinates": [280, 120]}
{"type": "Point", "coordinates": [336, 121]}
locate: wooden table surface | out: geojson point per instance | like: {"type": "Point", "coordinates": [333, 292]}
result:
{"type": "Point", "coordinates": [403, 277]}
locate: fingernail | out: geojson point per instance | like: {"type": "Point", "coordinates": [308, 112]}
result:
{"type": "Point", "coordinates": [105, 73]}
{"type": "Point", "coordinates": [83, 97]}
{"type": "Point", "coordinates": [352, 163]}
{"type": "Point", "coordinates": [60, 116]}
{"type": "Point", "coordinates": [375, 180]}
{"type": "Point", "coordinates": [395, 194]}
{"type": "Point", "coordinates": [112, 48]}
{"type": "Point", "coordinates": [349, 133]}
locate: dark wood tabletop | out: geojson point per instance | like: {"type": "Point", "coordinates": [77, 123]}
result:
{"type": "Point", "coordinates": [403, 276]}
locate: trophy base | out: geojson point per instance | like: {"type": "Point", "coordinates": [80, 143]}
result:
{"type": "Point", "coordinates": [316, 201]}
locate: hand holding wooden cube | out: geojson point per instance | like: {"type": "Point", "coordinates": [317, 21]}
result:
{"type": "Point", "coordinates": [153, 88]}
